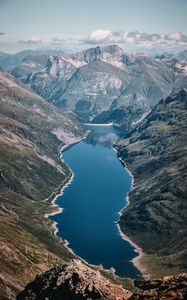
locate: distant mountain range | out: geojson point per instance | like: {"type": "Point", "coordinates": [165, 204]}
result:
{"type": "Point", "coordinates": [101, 84]}
{"type": "Point", "coordinates": [11, 61]}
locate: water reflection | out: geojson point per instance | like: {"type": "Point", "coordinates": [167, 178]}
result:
{"type": "Point", "coordinates": [105, 136]}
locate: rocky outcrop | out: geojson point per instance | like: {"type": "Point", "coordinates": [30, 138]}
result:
{"type": "Point", "coordinates": [168, 288]}
{"type": "Point", "coordinates": [77, 281]}
{"type": "Point", "coordinates": [73, 281]}
{"type": "Point", "coordinates": [155, 152]}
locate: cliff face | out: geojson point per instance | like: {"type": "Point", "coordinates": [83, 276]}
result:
{"type": "Point", "coordinates": [156, 152]}
{"type": "Point", "coordinates": [76, 281]}
{"type": "Point", "coordinates": [31, 134]}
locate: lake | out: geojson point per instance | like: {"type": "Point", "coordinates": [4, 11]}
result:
{"type": "Point", "coordinates": [91, 203]}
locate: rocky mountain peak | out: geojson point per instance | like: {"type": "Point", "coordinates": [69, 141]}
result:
{"type": "Point", "coordinates": [58, 66]}
{"type": "Point", "coordinates": [112, 49]}
{"type": "Point", "coordinates": [73, 281]}
{"type": "Point", "coordinates": [111, 54]}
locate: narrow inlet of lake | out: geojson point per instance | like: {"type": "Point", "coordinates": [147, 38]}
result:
{"type": "Point", "coordinates": [91, 203]}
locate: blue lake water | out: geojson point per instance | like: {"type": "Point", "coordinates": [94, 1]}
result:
{"type": "Point", "coordinates": [91, 203]}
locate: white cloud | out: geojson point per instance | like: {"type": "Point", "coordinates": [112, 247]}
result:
{"type": "Point", "coordinates": [32, 41]}
{"type": "Point", "coordinates": [100, 35]}
{"type": "Point", "coordinates": [176, 36]}
{"type": "Point", "coordinates": [133, 41]}
{"type": "Point", "coordinates": [120, 37]}
{"type": "Point", "coordinates": [57, 39]}
{"type": "Point", "coordinates": [136, 41]}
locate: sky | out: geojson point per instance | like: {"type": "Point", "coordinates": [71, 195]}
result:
{"type": "Point", "coordinates": [76, 24]}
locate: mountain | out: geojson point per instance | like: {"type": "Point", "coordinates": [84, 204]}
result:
{"type": "Point", "coordinates": [77, 281]}
{"type": "Point", "coordinates": [73, 280]}
{"type": "Point", "coordinates": [178, 63]}
{"type": "Point", "coordinates": [33, 63]}
{"type": "Point", "coordinates": [100, 80]}
{"type": "Point", "coordinates": [32, 131]}
{"type": "Point", "coordinates": [53, 78]}
{"type": "Point", "coordinates": [11, 61]}
{"type": "Point", "coordinates": [3, 55]}
{"type": "Point", "coordinates": [30, 64]}
{"type": "Point", "coordinates": [155, 219]}
{"type": "Point", "coordinates": [182, 55]}
{"type": "Point", "coordinates": [111, 54]}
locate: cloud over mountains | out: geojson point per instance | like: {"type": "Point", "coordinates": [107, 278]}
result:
{"type": "Point", "coordinates": [177, 37]}
{"type": "Point", "coordinates": [135, 37]}
{"type": "Point", "coordinates": [134, 41]}
{"type": "Point", "coordinates": [103, 37]}
{"type": "Point", "coordinates": [121, 37]}
{"type": "Point", "coordinates": [32, 41]}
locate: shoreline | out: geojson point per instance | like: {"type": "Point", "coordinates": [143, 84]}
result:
{"type": "Point", "coordinates": [60, 209]}
{"type": "Point", "coordinates": [136, 260]}
{"type": "Point", "coordinates": [97, 124]}
{"type": "Point", "coordinates": [56, 206]}
{"type": "Point", "coordinates": [68, 180]}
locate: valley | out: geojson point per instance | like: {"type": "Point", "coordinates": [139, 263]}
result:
{"type": "Point", "coordinates": [145, 99]}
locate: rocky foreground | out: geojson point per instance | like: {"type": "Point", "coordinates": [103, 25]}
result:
{"type": "Point", "coordinates": [167, 288]}
{"type": "Point", "coordinates": [76, 281]}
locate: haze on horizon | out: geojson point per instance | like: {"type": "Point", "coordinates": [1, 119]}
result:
{"type": "Point", "coordinates": [132, 24]}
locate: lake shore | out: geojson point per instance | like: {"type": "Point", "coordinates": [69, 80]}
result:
{"type": "Point", "coordinates": [137, 260]}
{"type": "Point", "coordinates": [56, 208]}
{"type": "Point", "coordinates": [95, 124]}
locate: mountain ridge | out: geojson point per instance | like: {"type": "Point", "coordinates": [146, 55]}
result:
{"type": "Point", "coordinates": [100, 80]}
{"type": "Point", "coordinates": [32, 132]}
{"type": "Point", "coordinates": [155, 153]}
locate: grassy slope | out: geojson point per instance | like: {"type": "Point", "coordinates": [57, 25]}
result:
{"type": "Point", "coordinates": [30, 170]}
{"type": "Point", "coordinates": [156, 153]}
